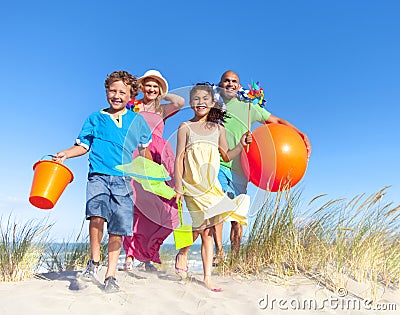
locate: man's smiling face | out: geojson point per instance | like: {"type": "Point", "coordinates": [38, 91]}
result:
{"type": "Point", "coordinates": [230, 85]}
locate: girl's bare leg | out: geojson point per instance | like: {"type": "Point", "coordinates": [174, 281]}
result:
{"type": "Point", "coordinates": [207, 249]}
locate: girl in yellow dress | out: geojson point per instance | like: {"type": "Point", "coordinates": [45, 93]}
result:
{"type": "Point", "coordinates": [201, 140]}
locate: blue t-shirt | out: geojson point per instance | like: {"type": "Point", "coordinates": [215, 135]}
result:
{"type": "Point", "coordinates": [111, 141]}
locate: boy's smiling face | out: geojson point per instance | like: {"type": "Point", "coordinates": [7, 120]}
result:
{"type": "Point", "coordinates": [118, 95]}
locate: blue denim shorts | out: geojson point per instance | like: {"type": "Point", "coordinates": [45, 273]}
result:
{"type": "Point", "coordinates": [111, 198]}
{"type": "Point", "coordinates": [232, 184]}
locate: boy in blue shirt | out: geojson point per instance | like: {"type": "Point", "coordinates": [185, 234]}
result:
{"type": "Point", "coordinates": [110, 136]}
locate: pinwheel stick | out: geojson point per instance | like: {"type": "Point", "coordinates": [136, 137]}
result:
{"type": "Point", "coordinates": [248, 125]}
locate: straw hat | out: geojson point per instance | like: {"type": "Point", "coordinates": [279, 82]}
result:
{"type": "Point", "coordinates": [158, 77]}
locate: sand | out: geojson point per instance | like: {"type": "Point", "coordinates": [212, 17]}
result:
{"type": "Point", "coordinates": [165, 293]}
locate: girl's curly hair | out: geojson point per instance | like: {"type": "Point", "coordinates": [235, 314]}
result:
{"type": "Point", "coordinates": [124, 76]}
{"type": "Point", "coordinates": [216, 114]}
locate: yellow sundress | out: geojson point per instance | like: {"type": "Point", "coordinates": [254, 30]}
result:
{"type": "Point", "coordinates": [204, 197]}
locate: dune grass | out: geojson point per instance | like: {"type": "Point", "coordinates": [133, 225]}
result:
{"type": "Point", "coordinates": [336, 241]}
{"type": "Point", "coordinates": [21, 248]}
{"type": "Point", "coordinates": [25, 249]}
{"type": "Point", "coordinates": [72, 254]}
{"type": "Point", "coordinates": [69, 255]}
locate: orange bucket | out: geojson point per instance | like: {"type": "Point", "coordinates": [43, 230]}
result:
{"type": "Point", "coordinates": [49, 181]}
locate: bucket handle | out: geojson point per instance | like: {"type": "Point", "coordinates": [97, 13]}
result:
{"type": "Point", "coordinates": [180, 212]}
{"type": "Point", "coordinates": [47, 155]}
{"type": "Point", "coordinates": [51, 156]}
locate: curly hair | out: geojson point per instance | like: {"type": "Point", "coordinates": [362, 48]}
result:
{"type": "Point", "coordinates": [124, 76]}
{"type": "Point", "coordinates": [216, 114]}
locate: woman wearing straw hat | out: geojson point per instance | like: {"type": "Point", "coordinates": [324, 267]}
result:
{"type": "Point", "coordinates": [154, 217]}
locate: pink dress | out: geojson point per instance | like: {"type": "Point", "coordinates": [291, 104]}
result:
{"type": "Point", "coordinates": [154, 217]}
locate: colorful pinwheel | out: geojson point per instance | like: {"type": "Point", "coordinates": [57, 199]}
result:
{"type": "Point", "coordinates": [254, 95]}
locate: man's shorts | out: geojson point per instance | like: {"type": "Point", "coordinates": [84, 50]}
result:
{"type": "Point", "coordinates": [111, 198]}
{"type": "Point", "coordinates": [232, 184]}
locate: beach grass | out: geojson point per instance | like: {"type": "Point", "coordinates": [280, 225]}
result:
{"type": "Point", "coordinates": [332, 242]}
{"type": "Point", "coordinates": [69, 255]}
{"type": "Point", "coordinates": [26, 249]}
{"type": "Point", "coordinates": [22, 246]}
{"type": "Point", "coordinates": [73, 253]}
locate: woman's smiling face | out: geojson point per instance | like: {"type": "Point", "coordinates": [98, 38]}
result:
{"type": "Point", "coordinates": [151, 90]}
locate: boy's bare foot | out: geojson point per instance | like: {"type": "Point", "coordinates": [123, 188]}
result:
{"type": "Point", "coordinates": [208, 284]}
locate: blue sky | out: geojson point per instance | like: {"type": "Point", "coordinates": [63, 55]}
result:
{"type": "Point", "coordinates": [329, 67]}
